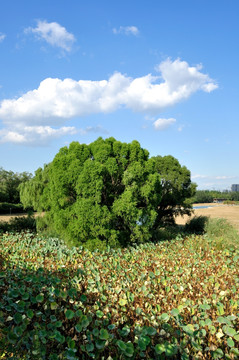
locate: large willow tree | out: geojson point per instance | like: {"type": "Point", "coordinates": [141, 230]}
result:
{"type": "Point", "coordinates": [107, 192]}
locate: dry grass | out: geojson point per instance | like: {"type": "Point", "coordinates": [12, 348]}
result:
{"type": "Point", "coordinates": [9, 217]}
{"type": "Point", "coordinates": [228, 212]}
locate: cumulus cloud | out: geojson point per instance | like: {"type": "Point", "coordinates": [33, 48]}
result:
{"type": "Point", "coordinates": [127, 30]}
{"type": "Point", "coordinates": [54, 34]}
{"type": "Point", "coordinates": [2, 36]}
{"type": "Point", "coordinates": [56, 100]}
{"type": "Point", "coordinates": [163, 124]}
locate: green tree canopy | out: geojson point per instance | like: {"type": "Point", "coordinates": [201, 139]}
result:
{"type": "Point", "coordinates": [107, 192]}
{"type": "Point", "coordinates": [9, 183]}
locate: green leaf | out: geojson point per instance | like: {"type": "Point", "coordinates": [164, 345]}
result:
{"type": "Point", "coordinates": [230, 342]}
{"type": "Point", "coordinates": [71, 344]}
{"type": "Point", "coordinates": [170, 349]}
{"type": "Point", "coordinates": [189, 329]}
{"type": "Point", "coordinates": [122, 302]}
{"type": "Point", "coordinates": [18, 331]}
{"type": "Point", "coordinates": [39, 298]}
{"type": "Point", "coordinates": [164, 317]}
{"type": "Point", "coordinates": [95, 332]}
{"type": "Point", "coordinates": [138, 311]}
{"type": "Point", "coordinates": [205, 307]}
{"type": "Point", "coordinates": [12, 338]}
{"type": "Point", "coordinates": [30, 314]}
{"type": "Point", "coordinates": [175, 312]}
{"type": "Point", "coordinates": [129, 351]}
{"type": "Point", "coordinates": [78, 327]}
{"type": "Point", "coordinates": [229, 330]}
{"type": "Point", "coordinates": [85, 321]}
{"type": "Point", "coordinates": [143, 342]}
{"type": "Point", "coordinates": [218, 354]}
{"type": "Point", "coordinates": [69, 314]}
{"type": "Point", "coordinates": [235, 351]}
{"type": "Point", "coordinates": [159, 349]}
{"type": "Point", "coordinates": [99, 314]}
{"type": "Point", "coordinates": [17, 318]}
{"type": "Point", "coordinates": [104, 335]}
{"type": "Point", "coordinates": [100, 344]}
{"type": "Point", "coordinates": [83, 298]}
{"type": "Point", "coordinates": [90, 347]}
{"type": "Point", "coordinates": [70, 355]}
{"type": "Point", "coordinates": [236, 337]}
{"type": "Point", "coordinates": [111, 326]}
{"type": "Point", "coordinates": [121, 345]}
{"type": "Point", "coordinates": [151, 331]}
{"type": "Point", "coordinates": [54, 306]}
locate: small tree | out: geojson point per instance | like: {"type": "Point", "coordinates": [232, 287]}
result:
{"type": "Point", "coordinates": [106, 192]}
{"type": "Point", "coordinates": [177, 189]}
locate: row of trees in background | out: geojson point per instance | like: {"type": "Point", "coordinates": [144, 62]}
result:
{"type": "Point", "coordinates": [207, 196]}
{"type": "Point", "coordinates": [9, 190]}
{"type": "Point", "coordinates": [108, 193]}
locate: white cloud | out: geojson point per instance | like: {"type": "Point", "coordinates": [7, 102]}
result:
{"type": "Point", "coordinates": [180, 128]}
{"type": "Point", "coordinates": [207, 182]}
{"type": "Point", "coordinates": [223, 177]}
{"type": "Point", "coordinates": [34, 135]}
{"type": "Point", "coordinates": [54, 34]}
{"type": "Point", "coordinates": [2, 37]}
{"type": "Point", "coordinates": [93, 129]}
{"type": "Point", "coordinates": [163, 124]}
{"type": "Point", "coordinates": [56, 100]}
{"type": "Point", "coordinates": [198, 176]}
{"type": "Point", "coordinates": [127, 30]}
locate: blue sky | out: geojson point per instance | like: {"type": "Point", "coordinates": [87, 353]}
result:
{"type": "Point", "coordinates": [162, 72]}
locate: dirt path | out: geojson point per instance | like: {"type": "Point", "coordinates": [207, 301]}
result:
{"type": "Point", "coordinates": [229, 212]}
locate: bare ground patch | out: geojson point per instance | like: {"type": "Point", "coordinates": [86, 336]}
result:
{"type": "Point", "coordinates": [229, 212]}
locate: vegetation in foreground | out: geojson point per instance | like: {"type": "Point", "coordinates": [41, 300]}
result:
{"type": "Point", "coordinates": [176, 299]}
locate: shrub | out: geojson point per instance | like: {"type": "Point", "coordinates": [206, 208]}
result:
{"type": "Point", "coordinates": [19, 224]}
{"type": "Point", "coordinates": [196, 225]}
{"type": "Point", "coordinates": [8, 208]}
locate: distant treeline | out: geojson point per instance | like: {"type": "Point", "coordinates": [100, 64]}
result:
{"type": "Point", "coordinates": [207, 196]}
{"type": "Point", "coordinates": [9, 191]}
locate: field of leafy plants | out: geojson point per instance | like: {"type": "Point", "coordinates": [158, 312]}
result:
{"type": "Point", "coordinates": [177, 299]}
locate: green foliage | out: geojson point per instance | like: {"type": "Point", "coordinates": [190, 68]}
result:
{"type": "Point", "coordinates": [196, 225]}
{"type": "Point", "coordinates": [203, 196]}
{"type": "Point", "coordinates": [19, 224]}
{"type": "Point", "coordinates": [175, 299]}
{"type": "Point", "coordinates": [9, 185]}
{"type": "Point", "coordinates": [223, 231]}
{"type": "Point", "coordinates": [108, 193]}
{"type": "Point", "coordinates": [8, 208]}
{"type": "Point", "coordinates": [177, 188]}
{"type": "Point", "coordinates": [207, 196]}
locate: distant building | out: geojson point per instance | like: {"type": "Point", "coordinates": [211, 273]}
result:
{"type": "Point", "coordinates": [235, 187]}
